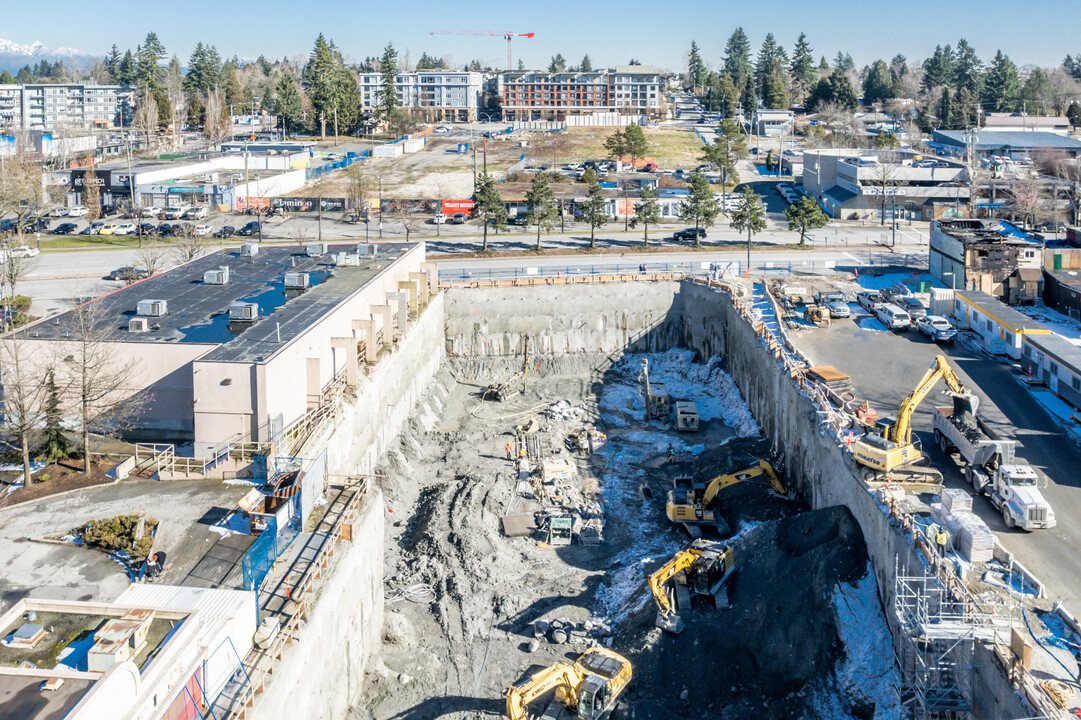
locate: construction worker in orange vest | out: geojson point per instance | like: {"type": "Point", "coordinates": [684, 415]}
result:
{"type": "Point", "coordinates": [508, 449]}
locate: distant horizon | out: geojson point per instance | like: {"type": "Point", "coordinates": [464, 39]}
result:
{"type": "Point", "coordinates": [866, 32]}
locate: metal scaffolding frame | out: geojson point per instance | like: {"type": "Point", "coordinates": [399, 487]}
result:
{"type": "Point", "coordinates": [935, 644]}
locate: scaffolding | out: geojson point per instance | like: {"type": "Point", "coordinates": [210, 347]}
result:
{"type": "Point", "coordinates": [935, 644]}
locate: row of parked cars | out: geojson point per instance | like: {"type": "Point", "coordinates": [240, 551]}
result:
{"type": "Point", "coordinates": [899, 310]}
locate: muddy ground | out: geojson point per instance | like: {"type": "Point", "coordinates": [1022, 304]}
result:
{"type": "Point", "coordinates": [463, 599]}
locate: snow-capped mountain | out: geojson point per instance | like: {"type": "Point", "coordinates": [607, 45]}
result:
{"type": "Point", "coordinates": [13, 55]}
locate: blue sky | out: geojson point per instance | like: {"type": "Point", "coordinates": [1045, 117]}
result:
{"type": "Point", "coordinates": [611, 32]}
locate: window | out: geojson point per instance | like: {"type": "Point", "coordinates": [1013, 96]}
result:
{"type": "Point", "coordinates": [1075, 382]}
{"type": "Point", "coordinates": [1052, 368]}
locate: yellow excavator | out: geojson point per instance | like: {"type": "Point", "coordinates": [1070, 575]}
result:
{"type": "Point", "coordinates": [699, 569]}
{"type": "Point", "coordinates": [589, 688]}
{"type": "Point", "coordinates": [689, 503]}
{"type": "Point", "coordinates": [888, 447]}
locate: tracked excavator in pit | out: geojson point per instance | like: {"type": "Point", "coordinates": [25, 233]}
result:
{"type": "Point", "coordinates": [701, 569]}
{"type": "Point", "coordinates": [689, 502]}
{"type": "Point", "coordinates": [588, 689]}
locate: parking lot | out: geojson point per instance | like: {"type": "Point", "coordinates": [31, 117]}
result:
{"type": "Point", "coordinates": [885, 367]}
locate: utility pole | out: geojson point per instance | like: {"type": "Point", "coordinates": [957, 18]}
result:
{"type": "Point", "coordinates": [320, 220]}
{"type": "Point", "coordinates": [335, 123]}
{"type": "Point", "coordinates": [380, 208]}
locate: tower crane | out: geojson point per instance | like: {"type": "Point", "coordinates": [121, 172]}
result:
{"type": "Point", "coordinates": [508, 35]}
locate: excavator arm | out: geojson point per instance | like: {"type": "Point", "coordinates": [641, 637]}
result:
{"type": "Point", "coordinates": [722, 481]}
{"type": "Point", "coordinates": [681, 561]}
{"type": "Point", "coordinates": [550, 678]}
{"type": "Point", "coordinates": [940, 370]}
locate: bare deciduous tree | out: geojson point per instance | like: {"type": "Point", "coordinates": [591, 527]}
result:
{"type": "Point", "coordinates": [24, 394]}
{"type": "Point", "coordinates": [216, 120]}
{"type": "Point", "coordinates": [189, 247]}
{"type": "Point", "coordinates": [151, 257]}
{"type": "Point", "coordinates": [146, 116]}
{"type": "Point", "coordinates": [99, 381]}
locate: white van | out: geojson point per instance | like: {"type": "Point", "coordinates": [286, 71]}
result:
{"type": "Point", "coordinates": [893, 317]}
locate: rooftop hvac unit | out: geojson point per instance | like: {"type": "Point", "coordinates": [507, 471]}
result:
{"type": "Point", "coordinates": [151, 308]}
{"type": "Point", "coordinates": [367, 249]}
{"type": "Point", "coordinates": [217, 277]}
{"type": "Point", "coordinates": [249, 250]}
{"type": "Point", "coordinates": [313, 249]}
{"type": "Point", "coordinates": [243, 312]}
{"type": "Point", "coordinates": [137, 325]}
{"type": "Point", "coordinates": [297, 280]}
{"type": "Point", "coordinates": [346, 260]}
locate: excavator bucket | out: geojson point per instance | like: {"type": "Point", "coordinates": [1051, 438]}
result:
{"type": "Point", "coordinates": [670, 623]}
{"type": "Point", "coordinates": [965, 403]}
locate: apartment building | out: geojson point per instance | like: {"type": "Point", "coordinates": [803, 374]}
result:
{"type": "Point", "coordinates": [438, 94]}
{"type": "Point", "coordinates": [626, 89]}
{"type": "Point", "coordinates": [47, 107]}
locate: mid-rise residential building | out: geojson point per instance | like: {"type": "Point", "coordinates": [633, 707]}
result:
{"type": "Point", "coordinates": [47, 107]}
{"type": "Point", "coordinates": [626, 89]}
{"type": "Point", "coordinates": [454, 96]}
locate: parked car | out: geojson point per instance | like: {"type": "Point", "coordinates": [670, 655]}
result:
{"type": "Point", "coordinates": [893, 317]}
{"type": "Point", "coordinates": [147, 229]}
{"type": "Point", "coordinates": [108, 229]}
{"type": "Point", "coordinates": [24, 251]}
{"type": "Point", "coordinates": [252, 228]}
{"type": "Point", "coordinates": [869, 300]}
{"type": "Point", "coordinates": [704, 168]}
{"type": "Point", "coordinates": [183, 229]}
{"type": "Point", "coordinates": [64, 229]}
{"type": "Point", "coordinates": [689, 234]}
{"type": "Point", "coordinates": [226, 231]}
{"type": "Point", "coordinates": [149, 211]}
{"type": "Point", "coordinates": [522, 219]}
{"type": "Point", "coordinates": [937, 328]}
{"type": "Point", "coordinates": [459, 219]}
{"type": "Point", "coordinates": [203, 230]}
{"type": "Point", "coordinates": [126, 229]}
{"type": "Point", "coordinates": [839, 309]}
{"type": "Point", "coordinates": [37, 224]}
{"type": "Point", "coordinates": [439, 219]}
{"type": "Point", "coordinates": [58, 212]}
{"type": "Point", "coordinates": [195, 213]}
{"type": "Point", "coordinates": [77, 211]}
{"type": "Point", "coordinates": [648, 167]}
{"type": "Point", "coordinates": [106, 210]}
{"type": "Point", "coordinates": [93, 228]}
{"type": "Point", "coordinates": [913, 307]}
{"type": "Point", "coordinates": [127, 274]}
{"type": "Point", "coordinates": [173, 213]}
{"type": "Point", "coordinates": [168, 230]}
{"type": "Point", "coordinates": [442, 130]}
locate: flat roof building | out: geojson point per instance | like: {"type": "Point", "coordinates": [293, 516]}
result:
{"type": "Point", "coordinates": [988, 256]}
{"type": "Point", "coordinates": [1008, 143]}
{"type": "Point", "coordinates": [625, 90]}
{"type": "Point", "coordinates": [237, 346]}
{"type": "Point", "coordinates": [1056, 362]}
{"type": "Point", "coordinates": [454, 96]}
{"type": "Point", "coordinates": [999, 326]}
{"type": "Point", "coordinates": [1023, 122]}
{"type": "Point", "coordinates": [74, 105]}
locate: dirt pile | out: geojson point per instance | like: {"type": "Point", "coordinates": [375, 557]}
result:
{"type": "Point", "coordinates": [779, 636]}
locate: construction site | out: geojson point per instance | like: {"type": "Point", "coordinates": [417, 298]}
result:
{"type": "Point", "coordinates": [624, 496]}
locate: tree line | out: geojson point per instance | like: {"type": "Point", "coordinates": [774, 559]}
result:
{"type": "Point", "coordinates": [947, 90]}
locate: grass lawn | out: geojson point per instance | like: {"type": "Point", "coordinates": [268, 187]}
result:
{"type": "Point", "coordinates": [668, 147]}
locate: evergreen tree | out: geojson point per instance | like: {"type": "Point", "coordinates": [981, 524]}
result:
{"type": "Point", "coordinates": [287, 103]}
{"type": "Point", "coordinates": [764, 66]}
{"type": "Point", "coordinates": [54, 443]}
{"type": "Point", "coordinates": [724, 96]}
{"type": "Point", "coordinates": [737, 57]}
{"type": "Point", "coordinates": [805, 215]}
{"type": "Point", "coordinates": [946, 117]}
{"type": "Point", "coordinates": [6, 78]}
{"type": "Point", "coordinates": [1037, 95]}
{"type": "Point", "coordinates": [616, 145]}
{"type": "Point", "coordinates": [521, 64]}
{"type": "Point", "coordinates": [541, 201]}
{"type": "Point", "coordinates": [750, 215]}
{"type": "Point", "coordinates": [802, 69]}
{"type": "Point", "coordinates": [234, 93]}
{"type": "Point", "coordinates": [877, 84]}
{"type": "Point", "coordinates": [148, 69]}
{"type": "Point", "coordinates": [1074, 114]}
{"type": "Point", "coordinates": [700, 207]}
{"type": "Point", "coordinates": [112, 62]}
{"type": "Point", "coordinates": [823, 66]}
{"type": "Point", "coordinates": [587, 64]}
{"type": "Point", "coordinates": [25, 76]}
{"type": "Point", "coordinates": [634, 143]}
{"type": "Point", "coordinates": [775, 92]}
{"type": "Point", "coordinates": [125, 69]}
{"type": "Point", "coordinates": [841, 90]}
{"type": "Point", "coordinates": [938, 70]}
{"type": "Point", "coordinates": [729, 146]}
{"type": "Point", "coordinates": [1001, 87]}
{"type": "Point", "coordinates": [595, 210]}
{"type": "Point", "coordinates": [264, 65]}
{"type": "Point", "coordinates": [696, 69]}
{"type": "Point", "coordinates": [558, 64]}
{"type": "Point", "coordinates": [488, 205]}
{"type": "Point", "coordinates": [647, 212]}
{"type": "Point", "coordinates": [204, 70]}
{"type": "Point", "coordinates": [967, 68]}
{"type": "Point", "coordinates": [898, 72]}
{"type": "Point", "coordinates": [843, 62]}
{"type": "Point", "coordinates": [747, 100]}
{"type": "Point", "coordinates": [1072, 65]}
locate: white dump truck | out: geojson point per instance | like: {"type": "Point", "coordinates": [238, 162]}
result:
{"type": "Point", "coordinates": [990, 466]}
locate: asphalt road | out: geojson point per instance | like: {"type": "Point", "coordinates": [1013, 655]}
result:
{"type": "Point", "coordinates": [884, 369]}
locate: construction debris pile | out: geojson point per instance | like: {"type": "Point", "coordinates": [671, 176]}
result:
{"type": "Point", "coordinates": [521, 533]}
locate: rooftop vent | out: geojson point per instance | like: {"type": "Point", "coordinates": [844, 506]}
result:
{"type": "Point", "coordinates": [243, 312]}
{"type": "Point", "coordinates": [314, 249]}
{"type": "Point", "coordinates": [217, 277]}
{"type": "Point", "coordinates": [138, 325]}
{"type": "Point", "coordinates": [151, 308]}
{"type": "Point", "coordinates": [249, 250]}
{"type": "Point", "coordinates": [297, 280]}
{"type": "Point", "coordinates": [367, 249]}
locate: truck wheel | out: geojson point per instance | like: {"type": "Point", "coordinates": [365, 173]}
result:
{"type": "Point", "coordinates": [1007, 517]}
{"type": "Point", "coordinates": [969, 478]}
